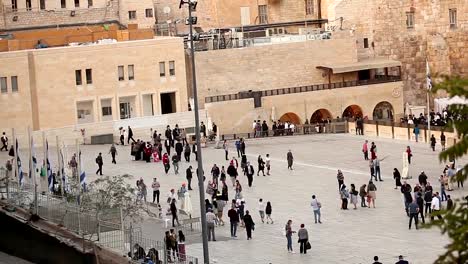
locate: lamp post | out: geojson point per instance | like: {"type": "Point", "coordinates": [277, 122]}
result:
{"type": "Point", "coordinates": [192, 4]}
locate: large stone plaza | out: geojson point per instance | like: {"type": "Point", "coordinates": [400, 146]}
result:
{"type": "Point", "coordinates": [352, 236]}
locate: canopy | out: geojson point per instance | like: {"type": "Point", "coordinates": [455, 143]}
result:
{"type": "Point", "coordinates": [375, 63]}
{"type": "Point", "coordinates": [441, 103]}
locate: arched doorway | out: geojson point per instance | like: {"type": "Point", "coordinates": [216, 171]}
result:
{"type": "Point", "coordinates": [383, 111]}
{"type": "Point", "coordinates": [320, 115]}
{"type": "Point", "coordinates": [352, 111]}
{"type": "Point", "coordinates": [290, 117]}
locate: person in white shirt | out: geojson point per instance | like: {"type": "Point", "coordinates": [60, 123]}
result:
{"type": "Point", "coordinates": [261, 209]}
{"type": "Point", "coordinates": [171, 196]}
{"type": "Point", "coordinates": [435, 204]}
{"type": "Point", "coordinates": [316, 205]}
{"type": "Point", "coordinates": [267, 163]}
{"type": "Point", "coordinates": [155, 185]}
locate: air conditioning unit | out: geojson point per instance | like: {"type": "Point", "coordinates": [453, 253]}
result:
{"type": "Point", "coordinates": [275, 31]}
{"type": "Point", "coordinates": [309, 31]}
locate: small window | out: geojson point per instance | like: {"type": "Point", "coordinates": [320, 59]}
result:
{"type": "Point", "coordinates": [28, 5]}
{"type": "Point", "coordinates": [77, 3]}
{"type": "Point", "coordinates": [14, 5]}
{"type": "Point", "coordinates": [89, 76]}
{"type": "Point", "coordinates": [90, 3]}
{"type": "Point", "coordinates": [262, 14]}
{"type": "Point", "coordinates": [149, 12]}
{"type": "Point", "coordinates": [14, 84]}
{"type": "Point", "coordinates": [106, 111]}
{"type": "Point", "coordinates": [162, 69]}
{"type": "Point", "coordinates": [366, 43]}
{"type": "Point", "coordinates": [131, 14]}
{"type": "Point", "coordinates": [78, 80]}
{"type": "Point", "coordinates": [309, 7]}
{"type": "Point", "coordinates": [409, 19]}
{"type": "Point", "coordinates": [121, 73]}
{"type": "Point", "coordinates": [63, 3]}
{"type": "Point", "coordinates": [453, 17]}
{"type": "Point", "coordinates": [3, 85]}
{"type": "Point", "coordinates": [131, 73]}
{"type": "Point", "coordinates": [171, 68]}
{"type": "Point", "coordinates": [42, 4]}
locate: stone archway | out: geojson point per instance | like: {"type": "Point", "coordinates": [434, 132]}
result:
{"type": "Point", "coordinates": [320, 115]}
{"type": "Point", "coordinates": [383, 111]}
{"type": "Point", "coordinates": [352, 111]}
{"type": "Point", "coordinates": [290, 117]}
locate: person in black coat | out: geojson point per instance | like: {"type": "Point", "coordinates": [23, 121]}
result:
{"type": "Point", "coordinates": [242, 146]}
{"type": "Point", "coordinates": [130, 135]}
{"type": "Point", "coordinates": [249, 172]}
{"type": "Point", "coordinates": [249, 224]}
{"type": "Point", "coordinates": [179, 148]}
{"type": "Point", "coordinates": [168, 134]}
{"type": "Point", "coordinates": [397, 177]}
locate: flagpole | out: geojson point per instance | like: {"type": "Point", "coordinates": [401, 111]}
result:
{"type": "Point", "coordinates": [59, 172]}
{"type": "Point", "coordinates": [79, 182]}
{"type": "Point", "coordinates": [15, 157]}
{"type": "Point", "coordinates": [428, 90]}
{"type": "Point", "coordinates": [32, 169]}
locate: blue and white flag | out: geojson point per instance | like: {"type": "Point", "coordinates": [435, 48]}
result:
{"type": "Point", "coordinates": [18, 163]}
{"type": "Point", "coordinates": [82, 175]}
{"type": "Point", "coordinates": [428, 76]}
{"type": "Point", "coordinates": [50, 176]}
{"type": "Point", "coordinates": [32, 167]}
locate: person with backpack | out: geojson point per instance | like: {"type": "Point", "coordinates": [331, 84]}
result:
{"type": "Point", "coordinates": [113, 152]}
{"type": "Point", "coordinates": [99, 162]}
{"type": "Point", "coordinates": [4, 142]}
{"type": "Point", "coordinates": [344, 194]}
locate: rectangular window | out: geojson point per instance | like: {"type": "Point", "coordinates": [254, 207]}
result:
{"type": "Point", "coordinates": [14, 5]}
{"type": "Point", "coordinates": [409, 19]}
{"type": "Point", "coordinates": [3, 85]}
{"type": "Point", "coordinates": [453, 17]}
{"type": "Point", "coordinates": [78, 80]}
{"type": "Point", "coordinates": [131, 14]}
{"type": "Point", "coordinates": [14, 84]}
{"type": "Point", "coordinates": [63, 3]}
{"type": "Point", "coordinates": [309, 7]}
{"type": "Point", "coordinates": [90, 3]}
{"type": "Point", "coordinates": [171, 68]}
{"type": "Point", "coordinates": [28, 5]}
{"type": "Point", "coordinates": [121, 73]}
{"type": "Point", "coordinates": [366, 43]}
{"type": "Point", "coordinates": [106, 111]}
{"type": "Point", "coordinates": [262, 14]}
{"type": "Point", "coordinates": [42, 4]}
{"type": "Point", "coordinates": [77, 3]}
{"type": "Point", "coordinates": [131, 73]}
{"type": "Point", "coordinates": [89, 76]}
{"type": "Point", "coordinates": [162, 69]}
{"type": "Point", "coordinates": [149, 12]}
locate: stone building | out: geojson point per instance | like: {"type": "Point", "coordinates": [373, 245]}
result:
{"type": "Point", "coordinates": [410, 32]}
{"type": "Point", "coordinates": [67, 86]}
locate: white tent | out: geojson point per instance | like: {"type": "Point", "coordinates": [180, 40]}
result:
{"type": "Point", "coordinates": [441, 103]}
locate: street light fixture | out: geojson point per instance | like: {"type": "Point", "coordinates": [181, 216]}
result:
{"type": "Point", "coordinates": [192, 6]}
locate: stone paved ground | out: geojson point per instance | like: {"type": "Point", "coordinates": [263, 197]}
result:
{"type": "Point", "coordinates": [352, 236]}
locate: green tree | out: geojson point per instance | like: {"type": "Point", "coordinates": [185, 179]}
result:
{"type": "Point", "coordinates": [454, 221]}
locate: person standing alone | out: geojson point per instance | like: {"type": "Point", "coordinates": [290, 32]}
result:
{"type": "Point", "coordinates": [4, 142]}
{"type": "Point", "coordinates": [113, 152]}
{"type": "Point", "coordinates": [290, 159]}
{"type": "Point", "coordinates": [365, 150]}
{"type": "Point", "coordinates": [155, 185]}
{"type": "Point", "coordinates": [316, 207]}
{"type": "Point", "coordinates": [226, 149]}
{"type": "Point", "coordinates": [99, 162]}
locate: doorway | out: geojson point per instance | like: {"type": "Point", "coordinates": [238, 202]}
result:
{"type": "Point", "coordinates": [168, 104]}
{"type": "Point", "coordinates": [125, 110]}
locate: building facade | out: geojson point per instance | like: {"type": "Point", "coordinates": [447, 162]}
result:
{"type": "Point", "coordinates": [58, 87]}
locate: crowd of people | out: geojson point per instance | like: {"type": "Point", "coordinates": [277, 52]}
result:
{"type": "Point", "coordinates": [437, 118]}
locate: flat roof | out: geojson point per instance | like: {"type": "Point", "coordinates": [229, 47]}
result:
{"type": "Point", "coordinates": [359, 65]}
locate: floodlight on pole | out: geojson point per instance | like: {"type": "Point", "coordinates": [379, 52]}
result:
{"type": "Point", "coordinates": [192, 5]}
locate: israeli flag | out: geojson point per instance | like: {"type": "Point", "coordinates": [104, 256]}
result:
{"type": "Point", "coordinates": [82, 175]}
{"type": "Point", "coordinates": [32, 168]}
{"type": "Point", "coordinates": [18, 163]}
{"type": "Point", "coordinates": [50, 177]}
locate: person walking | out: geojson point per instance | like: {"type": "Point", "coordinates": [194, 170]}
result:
{"type": "Point", "coordinates": [99, 162]}
{"type": "Point", "coordinates": [372, 169]}
{"type": "Point", "coordinates": [226, 149]}
{"type": "Point", "coordinates": [420, 203]}
{"type": "Point", "coordinates": [433, 142]}
{"type": "Point", "coordinates": [409, 154]}
{"type": "Point", "coordinates": [175, 163]}
{"type": "Point", "coordinates": [416, 132]}
{"type": "Point", "coordinates": [428, 201]}
{"type": "Point", "coordinates": [261, 165]}
{"type": "Point", "coordinates": [316, 205]}
{"type": "Point", "coordinates": [413, 209]}
{"type": "Point", "coordinates": [344, 195]}
{"type": "Point", "coordinates": [232, 172]}
{"type": "Point", "coordinates": [289, 232]}
{"type": "Point", "coordinates": [173, 209]}
{"type": "Point", "coordinates": [371, 192]}
{"type": "Point", "coordinates": [363, 195]}
{"type": "Point", "coordinates": [4, 142]}
{"type": "Point", "coordinates": [397, 177]}
{"type": "Point", "coordinates": [365, 150]}
{"type": "Point", "coordinates": [242, 146]}
{"type": "Point", "coordinates": [234, 220]}
{"type": "Point", "coordinates": [261, 210]}
{"type": "Point", "coordinates": [156, 185]}
{"type": "Point", "coordinates": [340, 178]}
{"type": "Point", "coordinates": [435, 205]}
{"type": "Point", "coordinates": [165, 160]}
{"type": "Point", "coordinates": [377, 169]}
{"type": "Point", "coordinates": [130, 135]}
{"type": "Point", "coordinates": [376, 260]}
{"type": "Point", "coordinates": [210, 221]}
{"type": "Point", "coordinates": [122, 136]}
{"type": "Point", "coordinates": [249, 172]}
{"type": "Point", "coordinates": [303, 239]}
{"type": "Point", "coordinates": [442, 140]}
{"type": "Point", "coordinates": [267, 163]}
{"type": "Point", "coordinates": [238, 148]}
{"type": "Point", "coordinates": [113, 152]}
{"type": "Point", "coordinates": [354, 195]}
{"type": "Point", "coordinates": [249, 224]}
{"type": "Point", "coordinates": [188, 176]}
{"type": "Point", "coordinates": [268, 211]}
{"type": "Point", "coordinates": [179, 147]}
{"type": "Point", "coordinates": [187, 152]}
{"type": "Point", "coordinates": [442, 181]}
{"type": "Point", "coordinates": [290, 158]}
{"type": "Point", "coordinates": [449, 202]}
{"type": "Point", "coordinates": [167, 145]}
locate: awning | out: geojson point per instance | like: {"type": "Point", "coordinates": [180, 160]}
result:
{"type": "Point", "coordinates": [359, 65]}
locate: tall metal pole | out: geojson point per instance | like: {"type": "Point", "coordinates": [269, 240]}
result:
{"type": "Point", "coordinates": [60, 169]}
{"type": "Point", "coordinates": [428, 118]}
{"type": "Point", "coordinates": [33, 169]}
{"type": "Point", "coordinates": [201, 188]}
{"type": "Point", "coordinates": [15, 156]}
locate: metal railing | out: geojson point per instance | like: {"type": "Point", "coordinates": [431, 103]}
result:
{"type": "Point", "coordinates": [303, 89]}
